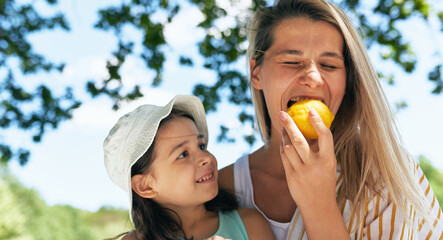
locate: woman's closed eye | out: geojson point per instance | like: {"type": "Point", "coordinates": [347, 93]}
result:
{"type": "Point", "coordinates": [328, 66]}
{"type": "Point", "coordinates": [292, 63]}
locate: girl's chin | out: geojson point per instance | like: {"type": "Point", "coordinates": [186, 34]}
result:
{"type": "Point", "coordinates": [214, 193]}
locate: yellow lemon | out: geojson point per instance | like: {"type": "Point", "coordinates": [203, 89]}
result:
{"type": "Point", "coordinates": [299, 113]}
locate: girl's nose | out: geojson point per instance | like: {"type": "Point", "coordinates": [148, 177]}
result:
{"type": "Point", "coordinates": [311, 77]}
{"type": "Point", "coordinates": [204, 159]}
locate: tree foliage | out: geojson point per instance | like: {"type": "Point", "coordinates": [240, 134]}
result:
{"type": "Point", "coordinates": [46, 110]}
{"type": "Point", "coordinates": [221, 49]}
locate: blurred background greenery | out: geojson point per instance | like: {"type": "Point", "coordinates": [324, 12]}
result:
{"type": "Point", "coordinates": [24, 215]}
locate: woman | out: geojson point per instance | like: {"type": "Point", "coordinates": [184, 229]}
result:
{"type": "Point", "coordinates": [356, 181]}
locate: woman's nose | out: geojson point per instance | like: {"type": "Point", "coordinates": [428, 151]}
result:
{"type": "Point", "coordinates": [311, 76]}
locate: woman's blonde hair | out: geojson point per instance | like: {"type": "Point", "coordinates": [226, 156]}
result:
{"type": "Point", "coordinates": [367, 142]}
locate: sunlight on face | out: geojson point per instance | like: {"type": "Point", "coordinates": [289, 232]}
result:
{"type": "Point", "coordinates": [184, 171]}
{"type": "Point", "coordinates": [305, 61]}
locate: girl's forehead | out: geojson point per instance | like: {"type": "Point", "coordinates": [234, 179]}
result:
{"type": "Point", "coordinates": [171, 142]}
{"type": "Point", "coordinates": [179, 136]}
{"type": "Point", "coordinates": [175, 132]}
{"type": "Point", "coordinates": [177, 127]}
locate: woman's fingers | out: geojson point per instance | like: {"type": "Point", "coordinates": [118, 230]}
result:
{"type": "Point", "coordinates": [294, 136]}
{"type": "Point", "coordinates": [288, 151]}
{"type": "Point", "coordinates": [325, 139]}
{"type": "Point", "coordinates": [287, 165]}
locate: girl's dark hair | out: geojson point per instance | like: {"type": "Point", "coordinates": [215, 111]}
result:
{"type": "Point", "coordinates": [152, 221]}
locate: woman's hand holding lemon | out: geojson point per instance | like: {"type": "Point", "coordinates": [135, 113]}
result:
{"type": "Point", "coordinates": [299, 112]}
{"type": "Point", "coordinates": [310, 169]}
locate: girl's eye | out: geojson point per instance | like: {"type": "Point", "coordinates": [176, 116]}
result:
{"type": "Point", "coordinates": [202, 146]}
{"type": "Point", "coordinates": [183, 155]}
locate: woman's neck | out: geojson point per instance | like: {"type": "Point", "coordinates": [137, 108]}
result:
{"type": "Point", "coordinates": [268, 159]}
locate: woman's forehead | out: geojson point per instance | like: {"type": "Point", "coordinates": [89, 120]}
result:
{"type": "Point", "coordinates": [297, 36]}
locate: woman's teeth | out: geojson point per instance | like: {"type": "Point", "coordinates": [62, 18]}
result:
{"type": "Point", "coordinates": [204, 178]}
{"type": "Point", "coordinates": [297, 99]}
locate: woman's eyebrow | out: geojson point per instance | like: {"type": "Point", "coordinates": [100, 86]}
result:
{"type": "Point", "coordinates": [332, 54]}
{"type": "Point", "coordinates": [289, 51]}
{"type": "Point", "coordinates": [300, 53]}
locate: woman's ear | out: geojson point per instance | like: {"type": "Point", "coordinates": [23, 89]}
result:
{"type": "Point", "coordinates": [143, 185]}
{"type": "Point", "coordinates": [255, 74]}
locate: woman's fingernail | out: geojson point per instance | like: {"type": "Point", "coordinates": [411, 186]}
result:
{"type": "Point", "coordinates": [313, 112]}
{"type": "Point", "coordinates": [282, 115]}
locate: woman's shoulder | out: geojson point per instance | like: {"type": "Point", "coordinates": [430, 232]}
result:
{"type": "Point", "coordinates": [249, 213]}
{"type": "Point", "coordinates": [226, 174]}
{"type": "Point", "coordinates": [255, 223]}
{"type": "Point", "coordinates": [226, 178]}
{"type": "Point", "coordinates": [252, 217]}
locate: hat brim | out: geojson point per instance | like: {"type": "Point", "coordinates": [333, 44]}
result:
{"type": "Point", "coordinates": [189, 104]}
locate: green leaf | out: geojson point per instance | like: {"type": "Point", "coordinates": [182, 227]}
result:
{"type": "Point", "coordinates": [186, 61]}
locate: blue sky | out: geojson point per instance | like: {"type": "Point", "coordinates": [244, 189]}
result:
{"type": "Point", "coordinates": [67, 167]}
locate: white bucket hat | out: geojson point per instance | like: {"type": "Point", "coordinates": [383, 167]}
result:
{"type": "Point", "coordinates": [134, 133]}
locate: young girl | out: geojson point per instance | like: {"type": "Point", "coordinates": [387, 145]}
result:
{"type": "Point", "coordinates": [356, 181]}
{"type": "Point", "coordinates": [160, 154]}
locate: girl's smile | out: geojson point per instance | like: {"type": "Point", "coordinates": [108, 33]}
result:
{"type": "Point", "coordinates": [207, 178]}
{"type": "Point", "coordinates": [182, 166]}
